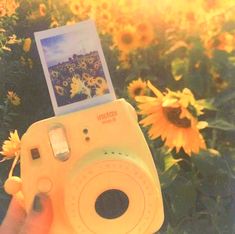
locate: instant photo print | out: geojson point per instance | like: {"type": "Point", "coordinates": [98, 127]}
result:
{"type": "Point", "coordinates": [74, 66]}
{"type": "Point", "coordinates": [91, 159]}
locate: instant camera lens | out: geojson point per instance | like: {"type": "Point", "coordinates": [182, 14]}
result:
{"type": "Point", "coordinates": [111, 204]}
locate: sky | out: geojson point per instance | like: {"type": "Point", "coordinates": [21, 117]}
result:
{"type": "Point", "coordinates": [59, 48]}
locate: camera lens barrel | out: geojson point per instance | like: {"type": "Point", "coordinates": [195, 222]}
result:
{"type": "Point", "coordinates": [112, 192]}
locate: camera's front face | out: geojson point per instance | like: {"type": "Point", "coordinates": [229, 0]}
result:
{"type": "Point", "coordinates": [113, 191]}
{"type": "Point", "coordinates": [97, 180]}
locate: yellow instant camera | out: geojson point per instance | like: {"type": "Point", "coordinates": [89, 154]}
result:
{"type": "Point", "coordinates": [98, 170]}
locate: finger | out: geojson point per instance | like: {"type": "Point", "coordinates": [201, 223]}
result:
{"type": "Point", "coordinates": [14, 219]}
{"type": "Point", "coordinates": [39, 218]}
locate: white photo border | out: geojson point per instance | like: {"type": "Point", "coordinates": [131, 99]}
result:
{"type": "Point", "coordinates": [83, 104]}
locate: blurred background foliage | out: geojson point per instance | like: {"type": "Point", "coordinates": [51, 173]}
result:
{"type": "Point", "coordinates": [174, 44]}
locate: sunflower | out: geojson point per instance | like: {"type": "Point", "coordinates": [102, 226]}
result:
{"type": "Point", "coordinates": [42, 9]}
{"type": "Point", "coordinates": [90, 82]}
{"type": "Point", "coordinates": [102, 87]}
{"type": "Point", "coordinates": [110, 28]}
{"type": "Point", "coordinates": [226, 42]}
{"type": "Point", "coordinates": [211, 4]}
{"type": "Point", "coordinates": [145, 34]}
{"type": "Point", "coordinates": [76, 86]}
{"type": "Point", "coordinates": [105, 16]}
{"type": "Point", "coordinates": [27, 44]}
{"type": "Point", "coordinates": [173, 117]}
{"type": "Point", "coordinates": [82, 65]}
{"type": "Point", "coordinates": [136, 88]}
{"type": "Point", "coordinates": [75, 8]}
{"type": "Point", "coordinates": [11, 147]}
{"type": "Point", "coordinates": [90, 59]}
{"type": "Point", "coordinates": [8, 7]}
{"type": "Point", "coordinates": [104, 5]}
{"type": "Point", "coordinates": [13, 98]}
{"type": "Point", "coordinates": [97, 65]}
{"type": "Point", "coordinates": [2, 10]}
{"type": "Point", "coordinates": [86, 76]}
{"type": "Point", "coordinates": [54, 24]}
{"type": "Point", "coordinates": [71, 70]}
{"type": "Point", "coordinates": [101, 90]}
{"type": "Point", "coordinates": [125, 39]}
{"type": "Point", "coordinates": [100, 81]}
{"type": "Point", "coordinates": [65, 83]}
{"type": "Point", "coordinates": [54, 74]}
{"type": "Point", "coordinates": [59, 90]}
{"type": "Point", "coordinates": [81, 8]}
{"type": "Point", "coordinates": [103, 19]}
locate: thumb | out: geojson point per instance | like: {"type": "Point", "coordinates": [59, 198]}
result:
{"type": "Point", "coordinates": [40, 217]}
{"type": "Point", "coordinates": [15, 217]}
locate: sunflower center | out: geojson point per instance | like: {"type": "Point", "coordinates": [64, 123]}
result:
{"type": "Point", "coordinates": [173, 115]}
{"type": "Point", "coordinates": [127, 38]}
{"type": "Point", "coordinates": [138, 91]}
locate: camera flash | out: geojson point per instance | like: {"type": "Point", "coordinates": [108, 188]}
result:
{"type": "Point", "coordinates": [59, 142]}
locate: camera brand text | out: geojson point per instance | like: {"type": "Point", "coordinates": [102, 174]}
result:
{"type": "Point", "coordinates": [107, 117]}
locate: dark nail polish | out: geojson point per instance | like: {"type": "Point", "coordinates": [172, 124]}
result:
{"type": "Point", "coordinates": [37, 204]}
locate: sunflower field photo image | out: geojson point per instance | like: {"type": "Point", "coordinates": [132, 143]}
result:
{"type": "Point", "coordinates": [73, 64]}
{"type": "Point", "coordinates": [173, 61]}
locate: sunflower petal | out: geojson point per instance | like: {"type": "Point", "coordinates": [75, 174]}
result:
{"type": "Point", "coordinates": [202, 124]}
{"type": "Point", "coordinates": [157, 92]}
{"type": "Point", "coordinates": [145, 99]}
{"type": "Point", "coordinates": [169, 102]}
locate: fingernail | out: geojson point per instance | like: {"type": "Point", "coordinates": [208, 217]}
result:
{"type": "Point", "coordinates": [37, 204]}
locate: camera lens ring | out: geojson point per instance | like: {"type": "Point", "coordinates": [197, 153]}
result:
{"type": "Point", "coordinates": [100, 175]}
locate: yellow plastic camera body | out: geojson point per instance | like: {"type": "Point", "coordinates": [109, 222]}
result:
{"type": "Point", "coordinates": [98, 170]}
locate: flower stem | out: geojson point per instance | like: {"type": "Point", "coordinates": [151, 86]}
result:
{"type": "Point", "coordinates": [17, 156]}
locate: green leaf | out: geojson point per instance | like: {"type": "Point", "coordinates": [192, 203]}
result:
{"type": "Point", "coordinates": [230, 160]}
{"type": "Point", "coordinates": [167, 177]}
{"type": "Point", "coordinates": [131, 77]}
{"type": "Point", "coordinates": [210, 204]}
{"type": "Point", "coordinates": [208, 104]}
{"type": "Point", "coordinates": [208, 164]}
{"type": "Point", "coordinates": [7, 118]}
{"type": "Point", "coordinates": [214, 176]}
{"type": "Point", "coordinates": [221, 124]}
{"type": "Point", "coordinates": [232, 60]}
{"type": "Point", "coordinates": [179, 68]}
{"type": "Point", "coordinates": [169, 230]}
{"type": "Point", "coordinates": [169, 161]}
{"type": "Point", "coordinates": [13, 114]}
{"type": "Point", "coordinates": [182, 197]}
{"type": "Point", "coordinates": [179, 45]}
{"type": "Point", "coordinates": [196, 226]}
{"type": "Point", "coordinates": [225, 97]}
{"type": "Point", "coordinates": [220, 213]}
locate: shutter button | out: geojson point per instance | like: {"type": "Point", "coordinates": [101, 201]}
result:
{"type": "Point", "coordinates": [44, 185]}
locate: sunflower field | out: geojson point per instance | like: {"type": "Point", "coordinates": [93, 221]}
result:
{"type": "Point", "coordinates": [174, 61]}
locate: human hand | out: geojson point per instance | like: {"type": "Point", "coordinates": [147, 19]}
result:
{"type": "Point", "coordinates": [38, 221]}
